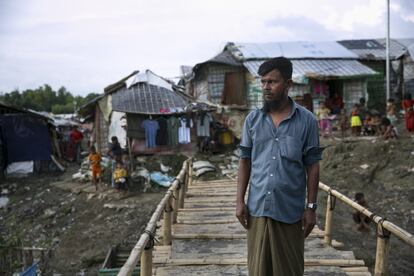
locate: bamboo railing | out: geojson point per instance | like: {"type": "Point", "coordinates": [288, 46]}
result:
{"type": "Point", "coordinates": [168, 206]}
{"type": "Point", "coordinates": [384, 228]}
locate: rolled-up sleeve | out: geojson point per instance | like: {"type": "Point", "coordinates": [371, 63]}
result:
{"type": "Point", "coordinates": [246, 141]}
{"type": "Point", "coordinates": [312, 151]}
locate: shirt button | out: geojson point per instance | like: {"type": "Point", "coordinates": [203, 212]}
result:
{"type": "Point", "coordinates": [274, 157]}
{"type": "Point", "coordinates": [271, 174]}
{"type": "Point", "coordinates": [277, 139]}
{"type": "Point", "coordinates": [268, 193]}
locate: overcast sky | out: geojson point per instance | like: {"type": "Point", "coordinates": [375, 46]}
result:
{"type": "Point", "coordinates": [86, 45]}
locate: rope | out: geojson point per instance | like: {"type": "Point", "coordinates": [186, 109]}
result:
{"type": "Point", "coordinates": [150, 244]}
{"type": "Point", "coordinates": [382, 233]}
{"type": "Point", "coordinates": [180, 182]}
{"type": "Point", "coordinates": [332, 202]}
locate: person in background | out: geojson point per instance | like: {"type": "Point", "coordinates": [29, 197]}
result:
{"type": "Point", "coordinates": [389, 131]}
{"type": "Point", "coordinates": [120, 177]}
{"type": "Point", "coordinates": [409, 119]}
{"type": "Point", "coordinates": [323, 118]}
{"type": "Point", "coordinates": [356, 123]}
{"type": "Point", "coordinates": [408, 106]}
{"type": "Point", "coordinates": [95, 164]}
{"type": "Point", "coordinates": [76, 139]}
{"type": "Point", "coordinates": [335, 103]}
{"type": "Point", "coordinates": [359, 218]}
{"type": "Point", "coordinates": [115, 154]}
{"type": "Point", "coordinates": [363, 110]}
{"type": "Point", "coordinates": [391, 111]}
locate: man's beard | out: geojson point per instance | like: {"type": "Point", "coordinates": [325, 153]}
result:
{"type": "Point", "coordinates": [269, 106]}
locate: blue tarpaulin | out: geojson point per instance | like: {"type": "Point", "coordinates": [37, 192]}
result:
{"type": "Point", "coordinates": [25, 138]}
{"type": "Point", "coordinates": [31, 271]}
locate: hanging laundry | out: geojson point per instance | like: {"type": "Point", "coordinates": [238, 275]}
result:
{"type": "Point", "coordinates": [203, 124]}
{"type": "Point", "coordinates": [162, 134]}
{"type": "Point", "coordinates": [151, 127]}
{"type": "Point", "coordinates": [172, 126]}
{"type": "Point", "coordinates": [184, 130]}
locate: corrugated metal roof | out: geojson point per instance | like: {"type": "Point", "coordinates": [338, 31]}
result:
{"type": "Point", "coordinates": [145, 98]}
{"type": "Point", "coordinates": [319, 69]}
{"type": "Point", "coordinates": [295, 49]}
{"type": "Point", "coordinates": [374, 49]}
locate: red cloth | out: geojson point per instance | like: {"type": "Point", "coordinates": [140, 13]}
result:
{"type": "Point", "coordinates": [75, 136]}
{"type": "Point", "coordinates": [409, 120]}
{"type": "Point", "coordinates": [407, 103]}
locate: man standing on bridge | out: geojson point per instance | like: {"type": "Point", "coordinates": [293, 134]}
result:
{"type": "Point", "coordinates": [280, 156]}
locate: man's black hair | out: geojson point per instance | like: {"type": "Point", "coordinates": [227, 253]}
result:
{"type": "Point", "coordinates": [282, 64]}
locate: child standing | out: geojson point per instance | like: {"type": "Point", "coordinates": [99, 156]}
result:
{"type": "Point", "coordinates": [355, 120]}
{"type": "Point", "coordinates": [323, 117]}
{"type": "Point", "coordinates": [95, 162]}
{"type": "Point", "coordinates": [120, 175]}
{"type": "Point", "coordinates": [359, 218]}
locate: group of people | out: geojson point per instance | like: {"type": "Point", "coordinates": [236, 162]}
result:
{"type": "Point", "coordinates": [119, 166]}
{"type": "Point", "coordinates": [362, 121]}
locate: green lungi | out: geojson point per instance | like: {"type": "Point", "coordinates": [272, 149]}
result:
{"type": "Point", "coordinates": [274, 248]}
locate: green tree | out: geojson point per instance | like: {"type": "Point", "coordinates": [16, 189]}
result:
{"type": "Point", "coordinates": [44, 98]}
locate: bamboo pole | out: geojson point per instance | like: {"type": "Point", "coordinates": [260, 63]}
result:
{"type": "Point", "coordinates": [328, 221]}
{"type": "Point", "coordinates": [175, 205]}
{"type": "Point", "coordinates": [166, 238]}
{"type": "Point", "coordinates": [146, 262]}
{"type": "Point", "coordinates": [181, 193]}
{"type": "Point", "coordinates": [381, 256]}
{"type": "Point", "coordinates": [135, 254]}
{"type": "Point", "coordinates": [190, 173]}
{"type": "Point", "coordinates": [243, 261]}
{"type": "Point", "coordinates": [394, 229]}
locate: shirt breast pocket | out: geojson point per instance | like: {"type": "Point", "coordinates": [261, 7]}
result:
{"type": "Point", "coordinates": [291, 149]}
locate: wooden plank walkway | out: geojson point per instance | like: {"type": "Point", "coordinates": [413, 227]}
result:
{"type": "Point", "coordinates": [208, 240]}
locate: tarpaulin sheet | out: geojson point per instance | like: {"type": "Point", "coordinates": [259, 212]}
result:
{"type": "Point", "coordinates": [31, 271]}
{"type": "Point", "coordinates": [26, 138]}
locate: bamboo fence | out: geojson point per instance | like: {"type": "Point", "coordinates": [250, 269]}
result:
{"type": "Point", "coordinates": [143, 248]}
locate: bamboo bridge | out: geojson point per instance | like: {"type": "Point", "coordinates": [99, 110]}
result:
{"type": "Point", "coordinates": [199, 234]}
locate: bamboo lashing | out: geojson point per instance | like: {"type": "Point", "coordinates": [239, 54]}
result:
{"type": "Point", "coordinates": [135, 254]}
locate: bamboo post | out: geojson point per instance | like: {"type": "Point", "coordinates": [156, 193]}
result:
{"type": "Point", "coordinates": [190, 173]}
{"type": "Point", "coordinates": [146, 262]}
{"type": "Point", "coordinates": [182, 192]}
{"type": "Point", "coordinates": [175, 205]}
{"type": "Point", "coordinates": [328, 220]}
{"type": "Point", "coordinates": [166, 239]}
{"type": "Point", "coordinates": [381, 255]}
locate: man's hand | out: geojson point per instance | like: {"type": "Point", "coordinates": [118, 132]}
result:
{"type": "Point", "coordinates": [242, 214]}
{"type": "Point", "coordinates": [308, 221]}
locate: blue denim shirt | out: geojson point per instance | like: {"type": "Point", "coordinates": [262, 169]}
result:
{"type": "Point", "coordinates": [279, 157]}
